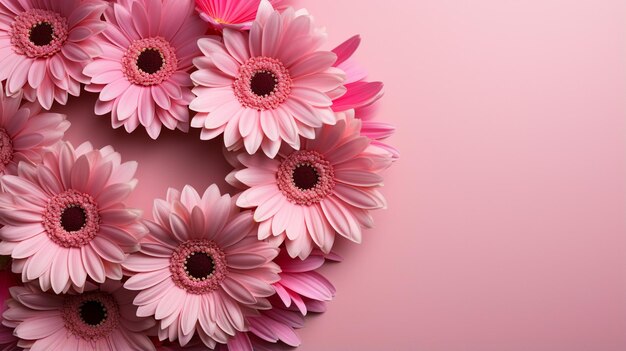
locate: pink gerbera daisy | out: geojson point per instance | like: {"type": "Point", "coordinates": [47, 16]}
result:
{"type": "Point", "coordinates": [300, 283]}
{"type": "Point", "coordinates": [305, 196]}
{"type": "Point", "coordinates": [237, 14]}
{"type": "Point", "coordinates": [201, 269]}
{"type": "Point", "coordinates": [25, 132]}
{"type": "Point", "coordinates": [64, 220]}
{"type": "Point", "coordinates": [99, 319]}
{"type": "Point", "coordinates": [361, 97]}
{"type": "Point", "coordinates": [44, 45]}
{"type": "Point", "coordinates": [8, 341]}
{"type": "Point", "coordinates": [266, 329]}
{"type": "Point", "coordinates": [376, 130]}
{"type": "Point", "coordinates": [142, 76]}
{"type": "Point", "coordinates": [270, 85]}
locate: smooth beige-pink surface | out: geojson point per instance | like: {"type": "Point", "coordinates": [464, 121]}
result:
{"type": "Point", "coordinates": [506, 226]}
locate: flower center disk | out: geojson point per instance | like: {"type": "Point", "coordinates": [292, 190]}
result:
{"type": "Point", "coordinates": [71, 219]}
{"type": "Point", "coordinates": [305, 177]}
{"type": "Point", "coordinates": [198, 266]}
{"type": "Point", "coordinates": [149, 61]}
{"type": "Point", "coordinates": [93, 312]}
{"type": "Point", "coordinates": [38, 33]}
{"type": "Point", "coordinates": [263, 83]}
{"type": "Point", "coordinates": [91, 316]}
{"type": "Point", "coordinates": [41, 34]}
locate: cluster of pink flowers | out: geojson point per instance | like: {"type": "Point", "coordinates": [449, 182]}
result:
{"type": "Point", "coordinates": [87, 272]}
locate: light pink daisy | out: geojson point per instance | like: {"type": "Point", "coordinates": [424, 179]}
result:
{"type": "Point", "coordinates": [65, 221]}
{"type": "Point", "coordinates": [328, 186]}
{"type": "Point", "coordinates": [44, 45]}
{"type": "Point", "coordinates": [236, 14]}
{"type": "Point", "coordinates": [98, 319]}
{"type": "Point", "coordinates": [361, 97]}
{"type": "Point", "coordinates": [201, 269]}
{"type": "Point", "coordinates": [25, 132]}
{"type": "Point", "coordinates": [142, 76]}
{"type": "Point", "coordinates": [267, 86]}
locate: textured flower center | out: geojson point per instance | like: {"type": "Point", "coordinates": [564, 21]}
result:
{"type": "Point", "coordinates": [305, 177]}
{"type": "Point", "coordinates": [149, 61]}
{"type": "Point", "coordinates": [263, 83]}
{"type": "Point", "coordinates": [71, 219]}
{"type": "Point", "coordinates": [41, 34]}
{"type": "Point", "coordinates": [6, 149]}
{"type": "Point", "coordinates": [93, 312]}
{"type": "Point", "coordinates": [198, 266]}
{"type": "Point", "coordinates": [91, 316]}
{"type": "Point", "coordinates": [38, 33]}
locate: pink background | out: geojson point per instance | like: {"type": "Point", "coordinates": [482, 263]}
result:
{"type": "Point", "coordinates": [506, 225]}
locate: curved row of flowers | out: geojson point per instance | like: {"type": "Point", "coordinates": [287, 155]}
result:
{"type": "Point", "coordinates": [208, 270]}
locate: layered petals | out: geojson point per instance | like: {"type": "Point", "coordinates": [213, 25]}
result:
{"type": "Point", "coordinates": [201, 270]}
{"type": "Point", "coordinates": [305, 197]}
{"type": "Point", "coordinates": [143, 75]}
{"type": "Point", "coordinates": [266, 87]}
{"type": "Point", "coordinates": [44, 47]}
{"type": "Point", "coordinates": [26, 132]}
{"type": "Point", "coordinates": [64, 220]}
{"type": "Point", "coordinates": [101, 318]}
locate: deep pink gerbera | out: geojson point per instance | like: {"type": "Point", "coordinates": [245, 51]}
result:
{"type": "Point", "coordinates": [25, 132]}
{"type": "Point", "coordinates": [8, 341]}
{"type": "Point", "coordinates": [300, 283]}
{"type": "Point", "coordinates": [361, 97]}
{"type": "Point", "coordinates": [237, 14]}
{"type": "Point", "coordinates": [305, 196]}
{"type": "Point", "coordinates": [99, 319]}
{"type": "Point", "coordinates": [270, 85]}
{"type": "Point", "coordinates": [64, 220]}
{"type": "Point", "coordinates": [44, 45]}
{"type": "Point", "coordinates": [142, 76]}
{"type": "Point", "coordinates": [201, 269]}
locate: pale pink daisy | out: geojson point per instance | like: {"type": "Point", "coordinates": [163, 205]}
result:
{"type": "Point", "coordinates": [99, 319]}
{"type": "Point", "coordinates": [361, 97]}
{"type": "Point", "coordinates": [306, 196]}
{"type": "Point", "coordinates": [266, 86]}
{"type": "Point", "coordinates": [236, 14]}
{"type": "Point", "coordinates": [25, 132]}
{"type": "Point", "coordinates": [142, 76]}
{"type": "Point", "coordinates": [201, 269]}
{"type": "Point", "coordinates": [65, 220]}
{"type": "Point", "coordinates": [44, 45]}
